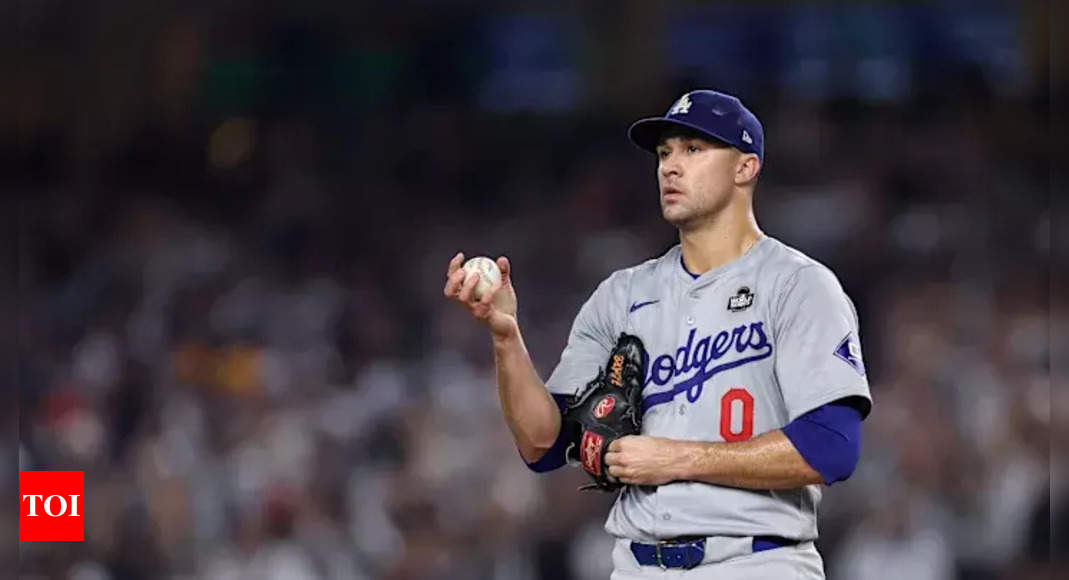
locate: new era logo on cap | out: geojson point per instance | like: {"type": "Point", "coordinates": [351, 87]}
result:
{"type": "Point", "coordinates": [746, 137]}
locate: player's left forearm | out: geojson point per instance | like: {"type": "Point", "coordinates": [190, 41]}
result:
{"type": "Point", "coordinates": [768, 461]}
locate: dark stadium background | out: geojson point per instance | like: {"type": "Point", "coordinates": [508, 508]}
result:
{"type": "Point", "coordinates": [236, 215]}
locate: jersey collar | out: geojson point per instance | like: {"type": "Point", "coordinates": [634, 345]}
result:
{"type": "Point", "coordinates": [748, 257]}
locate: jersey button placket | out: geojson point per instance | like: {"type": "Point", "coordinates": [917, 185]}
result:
{"type": "Point", "coordinates": [693, 296]}
{"type": "Point", "coordinates": [681, 424]}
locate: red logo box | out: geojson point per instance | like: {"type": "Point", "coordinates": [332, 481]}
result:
{"type": "Point", "coordinates": [51, 506]}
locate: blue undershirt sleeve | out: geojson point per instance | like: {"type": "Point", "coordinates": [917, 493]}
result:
{"type": "Point", "coordinates": [829, 439]}
{"type": "Point", "coordinates": [553, 458]}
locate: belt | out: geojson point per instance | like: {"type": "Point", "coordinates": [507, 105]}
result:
{"type": "Point", "coordinates": [689, 552]}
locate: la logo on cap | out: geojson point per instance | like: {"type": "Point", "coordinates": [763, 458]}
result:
{"type": "Point", "coordinates": [682, 106]}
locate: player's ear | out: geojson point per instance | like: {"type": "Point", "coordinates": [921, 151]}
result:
{"type": "Point", "coordinates": [747, 168]}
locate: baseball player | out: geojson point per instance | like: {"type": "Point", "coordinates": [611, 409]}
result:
{"type": "Point", "coordinates": [754, 391]}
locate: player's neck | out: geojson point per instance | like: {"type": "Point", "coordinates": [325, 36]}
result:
{"type": "Point", "coordinates": [720, 241]}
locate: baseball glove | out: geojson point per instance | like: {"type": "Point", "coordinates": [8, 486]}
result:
{"type": "Point", "coordinates": [606, 409]}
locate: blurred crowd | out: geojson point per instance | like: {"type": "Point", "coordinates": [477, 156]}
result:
{"type": "Point", "coordinates": [235, 327]}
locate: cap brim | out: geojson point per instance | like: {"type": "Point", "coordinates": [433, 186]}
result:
{"type": "Point", "coordinates": [646, 133]}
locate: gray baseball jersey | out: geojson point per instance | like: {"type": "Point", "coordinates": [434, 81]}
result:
{"type": "Point", "coordinates": [738, 351]}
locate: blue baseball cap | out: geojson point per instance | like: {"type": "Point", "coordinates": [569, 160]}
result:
{"type": "Point", "coordinates": [718, 115]}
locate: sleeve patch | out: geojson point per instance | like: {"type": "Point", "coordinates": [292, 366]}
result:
{"type": "Point", "coordinates": [849, 350]}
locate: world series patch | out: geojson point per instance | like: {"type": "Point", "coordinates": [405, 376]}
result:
{"type": "Point", "coordinates": [742, 300]}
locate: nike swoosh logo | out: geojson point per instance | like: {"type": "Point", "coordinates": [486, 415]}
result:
{"type": "Point", "coordinates": [638, 305]}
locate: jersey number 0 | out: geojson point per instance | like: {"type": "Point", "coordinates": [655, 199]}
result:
{"type": "Point", "coordinates": [735, 398]}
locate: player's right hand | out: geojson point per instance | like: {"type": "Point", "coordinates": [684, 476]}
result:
{"type": "Point", "coordinates": [496, 308]}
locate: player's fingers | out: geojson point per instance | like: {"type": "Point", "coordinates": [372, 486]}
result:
{"type": "Point", "coordinates": [480, 311]}
{"type": "Point", "coordinates": [505, 267]}
{"type": "Point", "coordinates": [622, 443]}
{"type": "Point", "coordinates": [612, 458]}
{"type": "Point", "coordinates": [467, 290]}
{"type": "Point", "coordinates": [617, 472]}
{"type": "Point", "coordinates": [489, 294]}
{"type": "Point", "coordinates": [454, 264]}
{"type": "Point", "coordinates": [453, 284]}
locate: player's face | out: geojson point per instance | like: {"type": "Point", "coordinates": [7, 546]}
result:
{"type": "Point", "coordinates": [697, 178]}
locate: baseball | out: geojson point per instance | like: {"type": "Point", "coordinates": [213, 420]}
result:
{"type": "Point", "coordinates": [488, 273]}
